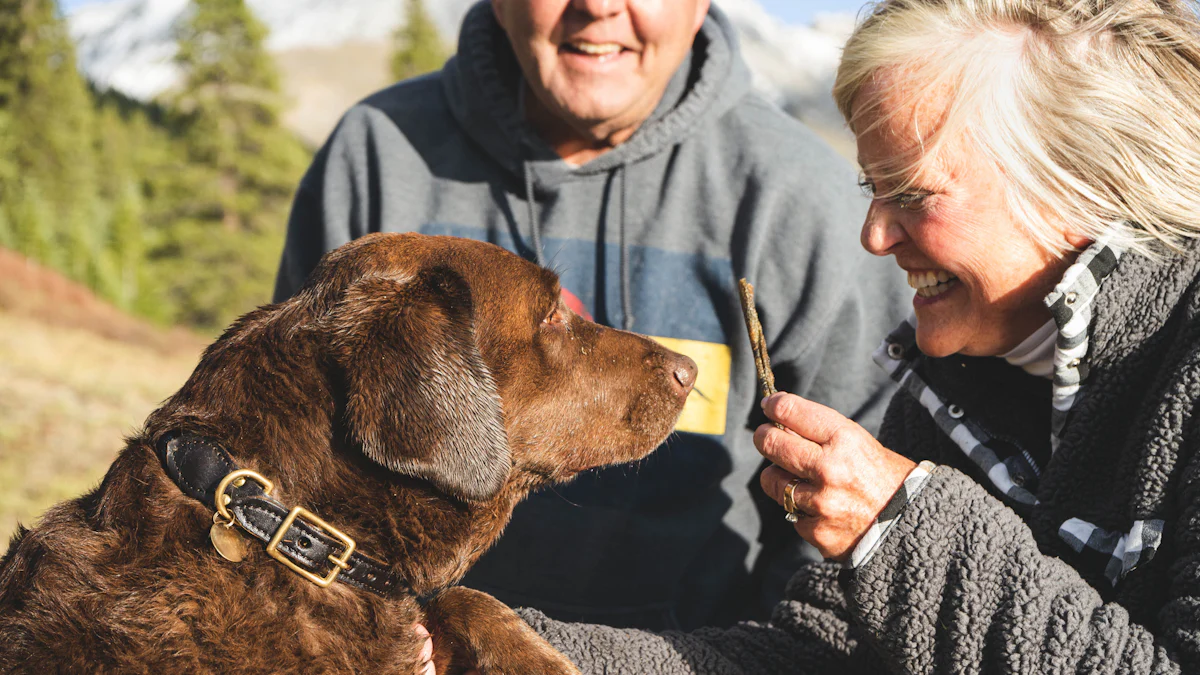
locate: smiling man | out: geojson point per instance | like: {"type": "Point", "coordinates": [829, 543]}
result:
{"type": "Point", "coordinates": [619, 142]}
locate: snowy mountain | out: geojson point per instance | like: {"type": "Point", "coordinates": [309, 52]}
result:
{"type": "Point", "coordinates": [128, 44]}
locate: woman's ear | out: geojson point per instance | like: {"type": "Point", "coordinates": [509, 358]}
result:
{"type": "Point", "coordinates": [419, 398]}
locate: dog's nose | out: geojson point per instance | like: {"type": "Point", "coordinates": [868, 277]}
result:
{"type": "Point", "coordinates": [685, 373]}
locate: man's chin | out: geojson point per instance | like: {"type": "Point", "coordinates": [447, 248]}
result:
{"type": "Point", "coordinates": [599, 123]}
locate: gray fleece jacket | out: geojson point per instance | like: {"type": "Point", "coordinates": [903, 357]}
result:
{"type": "Point", "coordinates": [1058, 538]}
{"type": "Point", "coordinates": [651, 235]}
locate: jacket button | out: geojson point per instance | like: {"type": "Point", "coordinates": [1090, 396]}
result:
{"type": "Point", "coordinates": [1072, 297]}
{"type": "Point", "coordinates": [954, 411]}
{"type": "Point", "coordinates": [895, 351]}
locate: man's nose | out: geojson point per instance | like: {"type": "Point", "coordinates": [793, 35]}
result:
{"type": "Point", "coordinates": [881, 233]}
{"type": "Point", "coordinates": [600, 9]}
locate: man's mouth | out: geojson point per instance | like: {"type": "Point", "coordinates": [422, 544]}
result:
{"type": "Point", "coordinates": [931, 283]}
{"type": "Point", "coordinates": [601, 50]}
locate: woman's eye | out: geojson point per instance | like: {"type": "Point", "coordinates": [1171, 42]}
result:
{"type": "Point", "coordinates": [910, 200]}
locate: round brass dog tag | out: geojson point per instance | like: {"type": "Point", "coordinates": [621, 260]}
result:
{"type": "Point", "coordinates": [228, 542]}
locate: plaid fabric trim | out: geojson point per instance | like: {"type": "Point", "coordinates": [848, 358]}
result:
{"type": "Point", "coordinates": [893, 357]}
{"type": "Point", "coordinates": [1124, 552]}
{"type": "Point", "coordinates": [909, 489]}
{"type": "Point", "coordinates": [1071, 305]}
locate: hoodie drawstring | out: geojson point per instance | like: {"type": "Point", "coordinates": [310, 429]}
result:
{"type": "Point", "coordinates": [535, 235]}
{"type": "Point", "coordinates": [535, 228]}
{"type": "Point", "coordinates": [626, 292]}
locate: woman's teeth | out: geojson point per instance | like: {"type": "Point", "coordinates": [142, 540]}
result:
{"type": "Point", "coordinates": [929, 284]}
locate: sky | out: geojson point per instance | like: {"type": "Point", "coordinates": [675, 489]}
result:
{"type": "Point", "coordinates": [791, 11]}
{"type": "Point", "coordinates": [802, 11]}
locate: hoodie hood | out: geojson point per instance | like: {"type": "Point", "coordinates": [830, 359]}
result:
{"type": "Point", "coordinates": [482, 86]}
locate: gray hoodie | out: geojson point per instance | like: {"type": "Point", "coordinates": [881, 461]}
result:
{"type": "Point", "coordinates": [650, 236]}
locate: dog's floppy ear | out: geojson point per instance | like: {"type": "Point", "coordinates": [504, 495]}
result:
{"type": "Point", "coordinates": [419, 397]}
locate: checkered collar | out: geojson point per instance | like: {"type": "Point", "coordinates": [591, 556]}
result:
{"type": "Point", "coordinates": [1070, 303]}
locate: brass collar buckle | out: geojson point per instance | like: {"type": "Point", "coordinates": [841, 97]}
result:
{"type": "Point", "coordinates": [224, 518]}
{"type": "Point", "coordinates": [339, 562]}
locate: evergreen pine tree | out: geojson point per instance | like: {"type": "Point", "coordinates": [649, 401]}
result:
{"type": "Point", "coordinates": [127, 246]}
{"type": "Point", "coordinates": [144, 189]}
{"type": "Point", "coordinates": [8, 176]}
{"type": "Point", "coordinates": [32, 223]}
{"type": "Point", "coordinates": [417, 45]}
{"type": "Point", "coordinates": [48, 120]}
{"type": "Point", "coordinates": [244, 166]}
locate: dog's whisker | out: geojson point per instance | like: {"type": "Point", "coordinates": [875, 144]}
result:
{"type": "Point", "coordinates": [563, 497]}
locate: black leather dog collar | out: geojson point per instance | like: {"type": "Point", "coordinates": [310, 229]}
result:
{"type": "Point", "coordinates": [198, 465]}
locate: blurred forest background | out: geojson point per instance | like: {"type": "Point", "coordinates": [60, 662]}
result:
{"type": "Point", "coordinates": [120, 219]}
{"type": "Point", "coordinates": [172, 210]}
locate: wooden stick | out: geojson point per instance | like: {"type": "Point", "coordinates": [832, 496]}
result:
{"type": "Point", "coordinates": [758, 343]}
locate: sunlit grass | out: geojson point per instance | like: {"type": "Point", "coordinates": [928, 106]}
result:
{"type": "Point", "coordinates": [68, 398]}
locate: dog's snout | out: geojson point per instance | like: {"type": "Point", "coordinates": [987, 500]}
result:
{"type": "Point", "coordinates": [685, 373]}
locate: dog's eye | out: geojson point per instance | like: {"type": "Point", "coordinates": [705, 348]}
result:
{"type": "Point", "coordinates": [558, 317]}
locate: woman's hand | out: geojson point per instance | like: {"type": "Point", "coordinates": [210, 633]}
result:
{"type": "Point", "coordinates": [849, 476]}
{"type": "Point", "coordinates": [426, 649]}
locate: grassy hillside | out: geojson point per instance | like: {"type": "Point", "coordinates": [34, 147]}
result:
{"type": "Point", "coordinates": [76, 376]}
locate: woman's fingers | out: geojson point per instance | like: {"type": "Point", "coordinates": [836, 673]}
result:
{"type": "Point", "coordinates": [793, 452]}
{"type": "Point", "coordinates": [848, 475]}
{"type": "Point", "coordinates": [811, 420]}
{"type": "Point", "coordinates": [426, 653]}
{"type": "Point", "coordinates": [775, 480]}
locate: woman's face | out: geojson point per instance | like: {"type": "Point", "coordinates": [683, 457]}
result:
{"type": "Point", "coordinates": [979, 279]}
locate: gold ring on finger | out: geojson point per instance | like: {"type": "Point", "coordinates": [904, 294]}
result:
{"type": "Point", "coordinates": [789, 501]}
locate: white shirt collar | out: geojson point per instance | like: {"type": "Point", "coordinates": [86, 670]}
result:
{"type": "Point", "coordinates": [1035, 354]}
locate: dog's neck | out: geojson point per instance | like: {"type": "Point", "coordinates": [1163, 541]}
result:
{"type": "Point", "coordinates": [293, 436]}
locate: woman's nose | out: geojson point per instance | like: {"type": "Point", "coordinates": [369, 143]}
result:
{"type": "Point", "coordinates": [881, 234]}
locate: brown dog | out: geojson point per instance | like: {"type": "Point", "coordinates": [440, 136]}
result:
{"type": "Point", "coordinates": [410, 395]}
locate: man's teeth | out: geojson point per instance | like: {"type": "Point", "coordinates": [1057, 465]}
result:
{"type": "Point", "coordinates": [929, 284]}
{"type": "Point", "coordinates": [593, 49]}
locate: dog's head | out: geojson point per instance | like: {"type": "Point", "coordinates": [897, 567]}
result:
{"type": "Point", "coordinates": [462, 366]}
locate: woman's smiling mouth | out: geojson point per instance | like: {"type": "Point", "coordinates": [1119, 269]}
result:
{"type": "Point", "coordinates": [931, 283]}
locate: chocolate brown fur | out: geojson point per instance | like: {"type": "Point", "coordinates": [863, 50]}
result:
{"type": "Point", "coordinates": [411, 394]}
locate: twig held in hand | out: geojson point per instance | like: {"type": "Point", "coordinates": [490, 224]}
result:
{"type": "Point", "coordinates": [758, 342]}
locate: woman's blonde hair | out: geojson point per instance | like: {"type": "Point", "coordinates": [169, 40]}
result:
{"type": "Point", "coordinates": [1090, 108]}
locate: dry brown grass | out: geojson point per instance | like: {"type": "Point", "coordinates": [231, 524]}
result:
{"type": "Point", "coordinates": [76, 376]}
